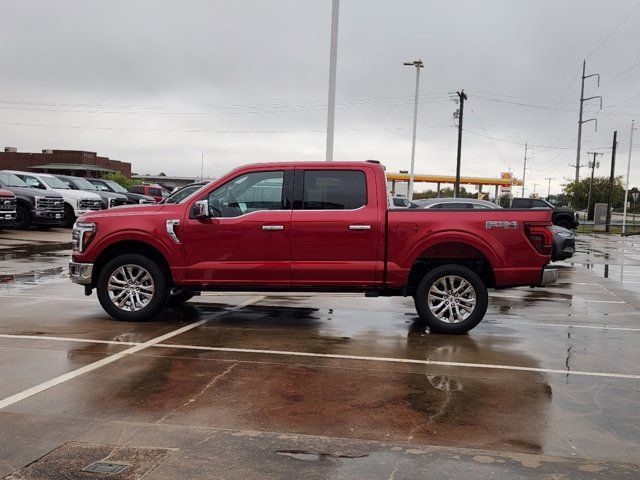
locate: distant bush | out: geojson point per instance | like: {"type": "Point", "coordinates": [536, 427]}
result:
{"type": "Point", "coordinates": [122, 180]}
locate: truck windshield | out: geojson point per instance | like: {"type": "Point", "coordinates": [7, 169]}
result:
{"type": "Point", "coordinates": [55, 182]}
{"type": "Point", "coordinates": [10, 180]}
{"type": "Point", "coordinates": [116, 187]}
{"type": "Point", "coordinates": [84, 184]}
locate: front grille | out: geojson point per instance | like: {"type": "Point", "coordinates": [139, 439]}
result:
{"type": "Point", "coordinates": [90, 204]}
{"type": "Point", "coordinates": [8, 204]}
{"type": "Point", "coordinates": [116, 202]}
{"type": "Point", "coordinates": [50, 203]}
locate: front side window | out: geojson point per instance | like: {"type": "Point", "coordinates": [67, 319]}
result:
{"type": "Point", "coordinates": [248, 193]}
{"type": "Point", "coordinates": [55, 182]}
{"type": "Point", "coordinates": [137, 189]}
{"type": "Point", "coordinates": [10, 180]}
{"type": "Point", "coordinates": [334, 189]}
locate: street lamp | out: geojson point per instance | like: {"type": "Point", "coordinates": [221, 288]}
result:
{"type": "Point", "coordinates": [418, 64]}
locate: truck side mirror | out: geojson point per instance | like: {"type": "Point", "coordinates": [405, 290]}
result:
{"type": "Point", "coordinates": [200, 209]}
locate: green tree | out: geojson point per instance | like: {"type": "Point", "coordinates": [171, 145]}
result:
{"type": "Point", "coordinates": [577, 193]}
{"type": "Point", "coordinates": [122, 180]}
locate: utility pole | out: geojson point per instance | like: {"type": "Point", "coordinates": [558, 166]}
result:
{"type": "Point", "coordinates": [611, 179]}
{"type": "Point", "coordinates": [418, 64]}
{"type": "Point", "coordinates": [592, 165]}
{"type": "Point", "coordinates": [333, 62]}
{"type": "Point", "coordinates": [524, 169]}
{"type": "Point", "coordinates": [202, 165]}
{"type": "Point", "coordinates": [461, 97]}
{"type": "Point", "coordinates": [549, 187]}
{"type": "Point", "coordinates": [534, 188]}
{"type": "Point", "coordinates": [580, 121]}
{"type": "Point", "coordinates": [626, 185]}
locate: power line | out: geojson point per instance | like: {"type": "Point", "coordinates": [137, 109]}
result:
{"type": "Point", "coordinates": [606, 39]}
{"type": "Point", "coordinates": [621, 74]}
{"type": "Point", "coordinates": [490, 139]}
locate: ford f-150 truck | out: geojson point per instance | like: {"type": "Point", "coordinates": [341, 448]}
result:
{"type": "Point", "coordinates": [312, 226]}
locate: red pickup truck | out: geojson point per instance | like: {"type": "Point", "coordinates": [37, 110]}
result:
{"type": "Point", "coordinates": [312, 226]}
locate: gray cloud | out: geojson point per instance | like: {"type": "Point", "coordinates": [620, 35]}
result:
{"type": "Point", "coordinates": [158, 82]}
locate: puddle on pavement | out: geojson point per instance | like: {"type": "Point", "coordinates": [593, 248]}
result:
{"type": "Point", "coordinates": [316, 457]}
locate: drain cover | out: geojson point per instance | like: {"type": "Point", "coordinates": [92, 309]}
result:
{"type": "Point", "coordinates": [78, 461]}
{"type": "Point", "coordinates": [104, 467]}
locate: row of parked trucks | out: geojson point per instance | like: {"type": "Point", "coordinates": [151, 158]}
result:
{"type": "Point", "coordinates": [46, 200]}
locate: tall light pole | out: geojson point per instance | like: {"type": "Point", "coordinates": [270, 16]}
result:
{"type": "Point", "coordinates": [626, 185]}
{"type": "Point", "coordinates": [333, 62]}
{"type": "Point", "coordinates": [418, 64]}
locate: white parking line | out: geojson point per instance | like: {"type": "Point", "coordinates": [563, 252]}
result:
{"type": "Point", "coordinates": [156, 344]}
{"type": "Point", "coordinates": [113, 358]}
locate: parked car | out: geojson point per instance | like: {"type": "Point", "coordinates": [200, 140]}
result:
{"type": "Point", "coordinates": [105, 185]}
{"type": "Point", "coordinates": [109, 199]}
{"type": "Point", "coordinates": [158, 193]}
{"type": "Point", "coordinates": [33, 207]}
{"type": "Point", "coordinates": [563, 238]}
{"type": "Point", "coordinates": [8, 204]}
{"type": "Point", "coordinates": [562, 216]}
{"type": "Point", "coordinates": [403, 202]}
{"type": "Point", "coordinates": [75, 202]}
{"type": "Point", "coordinates": [184, 192]}
{"type": "Point", "coordinates": [316, 226]}
{"type": "Point", "coordinates": [457, 203]}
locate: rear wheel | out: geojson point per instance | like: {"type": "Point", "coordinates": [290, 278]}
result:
{"type": "Point", "coordinates": [23, 217]}
{"type": "Point", "coordinates": [451, 299]}
{"type": "Point", "coordinates": [564, 223]}
{"type": "Point", "coordinates": [132, 288]}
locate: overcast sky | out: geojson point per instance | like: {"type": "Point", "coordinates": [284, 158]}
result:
{"type": "Point", "coordinates": [157, 83]}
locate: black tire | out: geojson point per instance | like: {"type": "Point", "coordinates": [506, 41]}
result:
{"type": "Point", "coordinates": [437, 325]}
{"type": "Point", "coordinates": [154, 305]}
{"type": "Point", "coordinates": [69, 216]}
{"type": "Point", "coordinates": [178, 297]}
{"type": "Point", "coordinates": [565, 224]}
{"type": "Point", "coordinates": [23, 217]}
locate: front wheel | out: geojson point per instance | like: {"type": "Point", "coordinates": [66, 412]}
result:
{"type": "Point", "coordinates": [132, 288]}
{"type": "Point", "coordinates": [69, 216]}
{"type": "Point", "coordinates": [23, 217]}
{"type": "Point", "coordinates": [451, 299]}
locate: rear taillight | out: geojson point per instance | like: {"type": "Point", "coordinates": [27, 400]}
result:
{"type": "Point", "coordinates": [540, 237]}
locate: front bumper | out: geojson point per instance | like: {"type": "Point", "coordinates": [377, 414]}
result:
{"type": "Point", "coordinates": [80, 273]}
{"type": "Point", "coordinates": [47, 217]}
{"type": "Point", "coordinates": [7, 217]}
{"type": "Point", "coordinates": [549, 276]}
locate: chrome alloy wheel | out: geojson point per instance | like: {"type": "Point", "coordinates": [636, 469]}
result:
{"type": "Point", "coordinates": [451, 299]}
{"type": "Point", "coordinates": [130, 288]}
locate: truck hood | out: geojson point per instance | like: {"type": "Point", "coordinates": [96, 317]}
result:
{"type": "Point", "coordinates": [128, 210]}
{"type": "Point", "coordinates": [29, 192]}
{"type": "Point", "coordinates": [564, 210]}
{"type": "Point", "coordinates": [76, 194]}
{"type": "Point", "coordinates": [6, 193]}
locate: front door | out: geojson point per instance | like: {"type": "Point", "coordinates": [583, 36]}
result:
{"type": "Point", "coordinates": [335, 228]}
{"type": "Point", "coordinates": [247, 239]}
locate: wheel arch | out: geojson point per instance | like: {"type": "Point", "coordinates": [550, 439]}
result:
{"type": "Point", "coordinates": [454, 252]}
{"type": "Point", "coordinates": [130, 246]}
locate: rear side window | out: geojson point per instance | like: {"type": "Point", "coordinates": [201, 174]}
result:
{"type": "Point", "coordinates": [156, 192]}
{"type": "Point", "coordinates": [334, 189]}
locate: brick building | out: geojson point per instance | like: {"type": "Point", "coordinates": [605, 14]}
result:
{"type": "Point", "coordinates": [69, 162]}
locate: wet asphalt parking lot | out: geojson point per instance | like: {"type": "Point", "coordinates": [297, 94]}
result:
{"type": "Point", "coordinates": [257, 386]}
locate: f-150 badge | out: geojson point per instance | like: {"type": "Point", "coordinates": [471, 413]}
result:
{"type": "Point", "coordinates": [504, 224]}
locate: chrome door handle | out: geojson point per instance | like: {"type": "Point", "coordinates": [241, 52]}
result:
{"type": "Point", "coordinates": [359, 227]}
{"type": "Point", "coordinates": [273, 227]}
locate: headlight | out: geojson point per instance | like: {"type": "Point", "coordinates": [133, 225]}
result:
{"type": "Point", "coordinates": [82, 235]}
{"type": "Point", "coordinates": [563, 232]}
{"type": "Point", "coordinates": [37, 200]}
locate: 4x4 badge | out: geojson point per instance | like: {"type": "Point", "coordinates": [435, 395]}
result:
{"type": "Point", "coordinates": [504, 224]}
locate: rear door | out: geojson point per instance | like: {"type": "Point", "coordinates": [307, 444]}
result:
{"type": "Point", "coordinates": [334, 227]}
